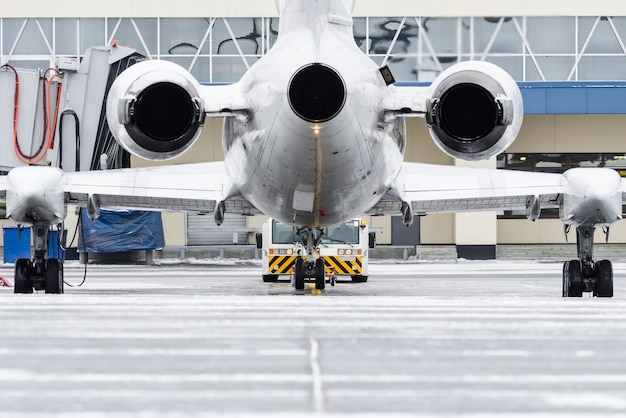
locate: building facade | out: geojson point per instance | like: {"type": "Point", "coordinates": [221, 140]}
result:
{"type": "Point", "coordinates": [569, 58]}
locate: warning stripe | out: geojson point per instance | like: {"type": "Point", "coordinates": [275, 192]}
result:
{"type": "Point", "coordinates": [281, 264]}
{"type": "Point", "coordinates": [344, 267]}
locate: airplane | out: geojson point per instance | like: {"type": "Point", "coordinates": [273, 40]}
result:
{"type": "Point", "coordinates": [313, 135]}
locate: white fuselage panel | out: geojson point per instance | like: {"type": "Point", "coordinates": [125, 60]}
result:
{"type": "Point", "coordinates": [305, 173]}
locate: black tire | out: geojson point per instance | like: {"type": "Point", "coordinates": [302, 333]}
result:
{"type": "Point", "coordinates": [270, 278]}
{"type": "Point", "coordinates": [604, 279]}
{"type": "Point", "coordinates": [572, 279]}
{"type": "Point", "coordinates": [299, 273]}
{"type": "Point", "coordinates": [22, 284]}
{"type": "Point", "coordinates": [54, 276]}
{"type": "Point", "coordinates": [320, 274]}
{"type": "Point", "coordinates": [357, 278]}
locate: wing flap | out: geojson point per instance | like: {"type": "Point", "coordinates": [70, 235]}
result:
{"type": "Point", "coordinates": [439, 189]}
{"type": "Point", "coordinates": [187, 187]}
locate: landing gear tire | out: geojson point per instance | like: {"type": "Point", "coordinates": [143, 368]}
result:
{"type": "Point", "coordinates": [299, 273]}
{"type": "Point", "coordinates": [270, 278]}
{"type": "Point", "coordinates": [22, 284]}
{"type": "Point", "coordinates": [604, 279]}
{"type": "Point", "coordinates": [320, 274]}
{"type": "Point", "coordinates": [359, 279]}
{"type": "Point", "coordinates": [572, 279]}
{"type": "Point", "coordinates": [54, 276]}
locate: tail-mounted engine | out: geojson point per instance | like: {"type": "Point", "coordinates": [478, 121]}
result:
{"type": "Point", "coordinates": [154, 110]}
{"type": "Point", "coordinates": [475, 110]}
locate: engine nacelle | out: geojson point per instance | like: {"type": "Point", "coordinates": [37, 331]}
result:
{"type": "Point", "coordinates": [475, 110]}
{"type": "Point", "coordinates": [154, 110]}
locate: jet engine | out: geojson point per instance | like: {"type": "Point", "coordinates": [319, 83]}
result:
{"type": "Point", "coordinates": [154, 110]}
{"type": "Point", "coordinates": [475, 110]}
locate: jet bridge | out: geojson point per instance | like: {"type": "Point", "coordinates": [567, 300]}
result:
{"type": "Point", "coordinates": [57, 116]}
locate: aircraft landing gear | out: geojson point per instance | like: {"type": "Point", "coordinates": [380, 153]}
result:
{"type": "Point", "coordinates": [314, 270]}
{"type": "Point", "coordinates": [314, 266]}
{"type": "Point", "coordinates": [585, 275]}
{"type": "Point", "coordinates": [39, 273]}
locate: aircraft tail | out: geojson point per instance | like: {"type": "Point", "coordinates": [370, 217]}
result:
{"type": "Point", "coordinates": [295, 14]}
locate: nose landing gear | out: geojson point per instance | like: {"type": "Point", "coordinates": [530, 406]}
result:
{"type": "Point", "coordinates": [314, 266]}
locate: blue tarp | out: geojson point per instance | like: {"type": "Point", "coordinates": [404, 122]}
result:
{"type": "Point", "coordinates": [121, 231]}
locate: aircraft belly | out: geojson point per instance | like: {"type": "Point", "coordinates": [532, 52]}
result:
{"type": "Point", "coordinates": [308, 178]}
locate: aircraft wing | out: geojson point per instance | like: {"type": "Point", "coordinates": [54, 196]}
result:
{"type": "Point", "coordinates": [437, 189]}
{"type": "Point", "coordinates": [185, 187]}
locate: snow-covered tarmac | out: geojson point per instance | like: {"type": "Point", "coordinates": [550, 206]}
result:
{"type": "Point", "coordinates": [479, 339]}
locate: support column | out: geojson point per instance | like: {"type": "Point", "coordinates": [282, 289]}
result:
{"type": "Point", "coordinates": [475, 233]}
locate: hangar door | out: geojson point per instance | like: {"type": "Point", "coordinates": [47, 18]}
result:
{"type": "Point", "coordinates": [202, 230]}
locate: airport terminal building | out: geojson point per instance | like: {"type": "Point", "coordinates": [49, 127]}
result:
{"type": "Point", "coordinates": [569, 58]}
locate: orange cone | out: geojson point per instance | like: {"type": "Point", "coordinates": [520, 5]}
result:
{"type": "Point", "coordinates": [5, 283]}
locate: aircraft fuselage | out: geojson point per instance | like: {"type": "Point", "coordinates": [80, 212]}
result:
{"type": "Point", "coordinates": [303, 163]}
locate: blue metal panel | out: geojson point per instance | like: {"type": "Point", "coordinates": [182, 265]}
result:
{"type": "Point", "coordinates": [566, 100]}
{"type": "Point", "coordinates": [535, 101]}
{"type": "Point", "coordinates": [606, 100]}
{"type": "Point", "coordinates": [574, 98]}
{"type": "Point", "coordinates": [569, 98]}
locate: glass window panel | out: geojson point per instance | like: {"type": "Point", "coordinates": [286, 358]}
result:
{"type": "Point", "coordinates": [32, 42]}
{"type": "Point", "coordinates": [585, 160]}
{"type": "Point", "coordinates": [426, 69]}
{"type": "Point", "coordinates": [551, 34]}
{"type": "Point", "coordinates": [247, 34]}
{"type": "Point", "coordinates": [382, 31]}
{"type": "Point", "coordinates": [229, 69]}
{"type": "Point", "coordinates": [442, 34]}
{"type": "Point", "coordinates": [10, 29]}
{"type": "Point", "coordinates": [66, 39]}
{"type": "Point", "coordinates": [507, 39]}
{"type": "Point", "coordinates": [548, 162]}
{"type": "Point", "coordinates": [148, 30]}
{"type": "Point", "coordinates": [404, 68]}
{"type": "Point", "coordinates": [92, 33]}
{"type": "Point", "coordinates": [512, 65]}
{"type": "Point", "coordinates": [602, 68]}
{"type": "Point", "coordinates": [359, 30]}
{"type": "Point", "coordinates": [127, 35]}
{"type": "Point", "coordinates": [518, 161]}
{"type": "Point", "coordinates": [620, 25]}
{"type": "Point", "coordinates": [466, 28]}
{"type": "Point", "coordinates": [273, 25]}
{"type": "Point", "coordinates": [617, 161]}
{"type": "Point", "coordinates": [554, 68]}
{"type": "Point", "coordinates": [31, 64]}
{"type": "Point", "coordinates": [201, 69]}
{"type": "Point", "coordinates": [501, 161]}
{"type": "Point", "coordinates": [602, 40]}
{"type": "Point", "coordinates": [182, 36]}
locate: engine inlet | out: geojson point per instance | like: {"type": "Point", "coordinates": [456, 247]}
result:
{"type": "Point", "coordinates": [317, 93]}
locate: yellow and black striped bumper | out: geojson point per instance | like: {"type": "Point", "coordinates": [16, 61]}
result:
{"type": "Point", "coordinates": [341, 266]}
{"type": "Point", "coordinates": [281, 264]}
